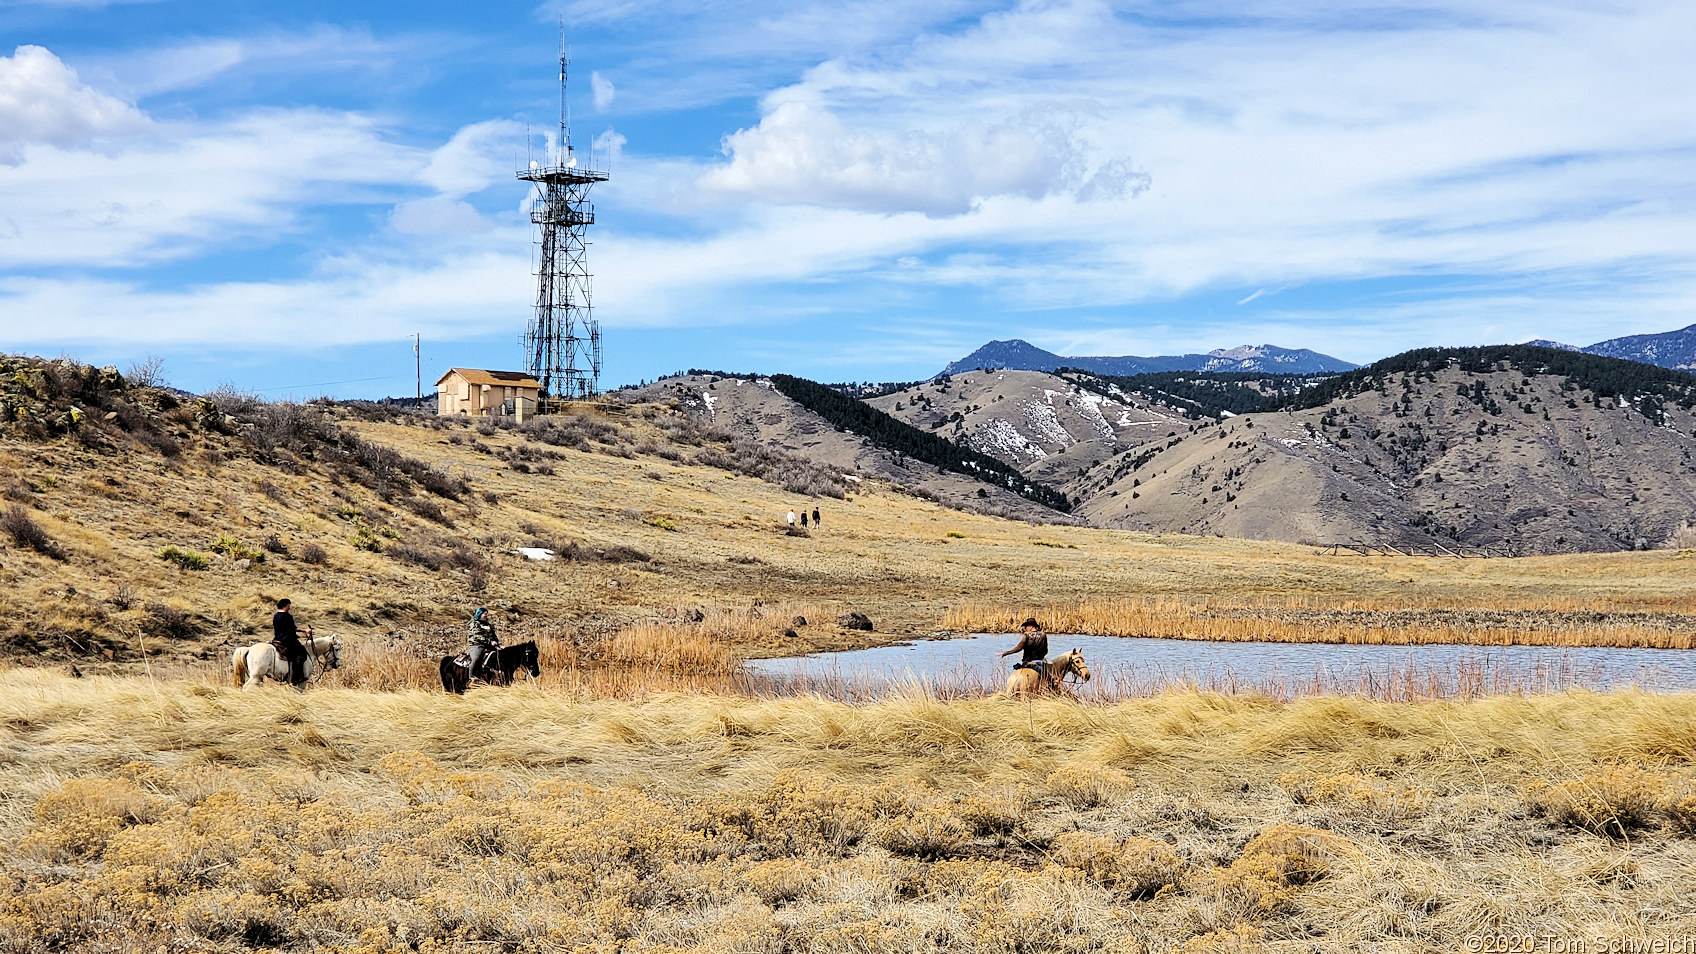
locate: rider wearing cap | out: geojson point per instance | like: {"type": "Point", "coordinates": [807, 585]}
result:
{"type": "Point", "coordinates": [286, 637]}
{"type": "Point", "coordinates": [482, 642]}
{"type": "Point", "coordinates": [1034, 645]}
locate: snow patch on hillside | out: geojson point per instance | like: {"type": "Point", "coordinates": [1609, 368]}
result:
{"type": "Point", "coordinates": [1090, 410]}
{"type": "Point", "coordinates": [1045, 424]}
{"type": "Point", "coordinates": [998, 437]}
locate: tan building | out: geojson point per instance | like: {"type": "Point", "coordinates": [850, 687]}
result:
{"type": "Point", "coordinates": [479, 393]}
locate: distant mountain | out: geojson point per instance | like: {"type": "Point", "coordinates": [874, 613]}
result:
{"type": "Point", "coordinates": [1018, 355]}
{"type": "Point", "coordinates": [1546, 343]}
{"type": "Point", "coordinates": [1014, 355]}
{"type": "Point", "coordinates": [1669, 349]}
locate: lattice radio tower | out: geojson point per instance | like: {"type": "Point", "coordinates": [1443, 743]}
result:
{"type": "Point", "coordinates": [563, 339]}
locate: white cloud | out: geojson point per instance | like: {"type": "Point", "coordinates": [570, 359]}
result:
{"type": "Point", "coordinates": [603, 89]}
{"type": "Point", "coordinates": [193, 63]}
{"type": "Point", "coordinates": [453, 294]}
{"type": "Point", "coordinates": [172, 190]}
{"type": "Point", "coordinates": [1293, 148]}
{"type": "Point", "coordinates": [42, 101]}
{"type": "Point", "coordinates": [478, 156]}
{"type": "Point", "coordinates": [439, 215]}
{"type": "Point", "coordinates": [803, 154]}
{"type": "Point", "coordinates": [186, 188]}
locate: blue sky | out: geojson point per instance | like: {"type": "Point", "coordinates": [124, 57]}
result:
{"type": "Point", "coordinates": [278, 196]}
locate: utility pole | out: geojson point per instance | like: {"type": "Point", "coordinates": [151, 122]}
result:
{"type": "Point", "coordinates": [417, 371]}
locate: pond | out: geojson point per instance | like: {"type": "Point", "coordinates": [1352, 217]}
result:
{"type": "Point", "coordinates": [1124, 667]}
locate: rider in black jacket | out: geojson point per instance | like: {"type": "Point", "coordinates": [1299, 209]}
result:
{"type": "Point", "coordinates": [1033, 646]}
{"type": "Point", "coordinates": [287, 640]}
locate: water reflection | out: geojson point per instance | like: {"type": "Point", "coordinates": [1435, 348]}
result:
{"type": "Point", "coordinates": [1134, 666]}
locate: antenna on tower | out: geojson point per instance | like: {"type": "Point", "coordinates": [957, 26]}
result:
{"type": "Point", "coordinates": [563, 340]}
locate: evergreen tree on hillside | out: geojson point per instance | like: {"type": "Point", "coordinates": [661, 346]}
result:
{"type": "Point", "coordinates": [1651, 385]}
{"type": "Point", "coordinates": [861, 418]}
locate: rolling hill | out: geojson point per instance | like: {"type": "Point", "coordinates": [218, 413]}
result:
{"type": "Point", "coordinates": [1536, 449]}
{"type": "Point", "coordinates": [753, 408]}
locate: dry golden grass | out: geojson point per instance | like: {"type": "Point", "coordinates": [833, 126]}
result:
{"type": "Point", "coordinates": [202, 818]}
{"type": "Point", "coordinates": [1568, 622]}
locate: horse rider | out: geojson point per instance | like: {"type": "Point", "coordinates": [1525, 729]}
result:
{"type": "Point", "coordinates": [482, 643]}
{"type": "Point", "coordinates": [286, 637]}
{"type": "Point", "coordinates": [1034, 645]}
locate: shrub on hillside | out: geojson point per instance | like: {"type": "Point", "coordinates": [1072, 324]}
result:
{"type": "Point", "coordinates": [26, 533]}
{"type": "Point", "coordinates": [794, 474]}
{"type": "Point", "coordinates": [364, 539]}
{"type": "Point", "coordinates": [312, 553]}
{"type": "Point", "coordinates": [465, 558]}
{"type": "Point", "coordinates": [428, 509]}
{"type": "Point", "coordinates": [185, 559]}
{"type": "Point", "coordinates": [575, 553]}
{"type": "Point", "coordinates": [170, 622]}
{"type": "Point", "coordinates": [232, 547]}
{"type": "Point", "coordinates": [165, 444]}
{"type": "Point", "coordinates": [418, 556]}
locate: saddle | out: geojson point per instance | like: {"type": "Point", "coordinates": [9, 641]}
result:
{"type": "Point", "coordinates": [463, 661]}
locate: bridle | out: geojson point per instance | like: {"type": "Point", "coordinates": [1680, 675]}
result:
{"type": "Point", "coordinates": [334, 655]}
{"type": "Point", "coordinates": [1071, 669]}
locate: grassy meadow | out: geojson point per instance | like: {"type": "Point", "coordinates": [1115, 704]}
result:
{"type": "Point", "coordinates": [186, 817]}
{"type": "Point", "coordinates": [645, 795]}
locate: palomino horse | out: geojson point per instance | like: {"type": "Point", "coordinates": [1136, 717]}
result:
{"type": "Point", "coordinates": [496, 672]}
{"type": "Point", "coordinates": [261, 661]}
{"type": "Point", "coordinates": [1029, 682]}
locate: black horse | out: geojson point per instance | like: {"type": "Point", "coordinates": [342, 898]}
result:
{"type": "Point", "coordinates": [497, 670]}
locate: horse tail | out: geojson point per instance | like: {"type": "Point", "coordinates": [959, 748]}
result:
{"type": "Point", "coordinates": [239, 661]}
{"type": "Point", "coordinates": [447, 675]}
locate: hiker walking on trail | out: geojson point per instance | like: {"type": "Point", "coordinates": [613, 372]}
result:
{"type": "Point", "coordinates": [481, 639]}
{"type": "Point", "coordinates": [285, 635]}
{"type": "Point", "coordinates": [1034, 645]}
{"type": "Point", "coordinates": [803, 519]}
{"type": "Point", "coordinates": [815, 518]}
{"type": "Point", "coordinates": [792, 516]}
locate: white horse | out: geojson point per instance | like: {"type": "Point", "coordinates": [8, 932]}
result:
{"type": "Point", "coordinates": [261, 661]}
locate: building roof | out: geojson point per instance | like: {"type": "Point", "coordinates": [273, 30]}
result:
{"type": "Point", "coordinates": [510, 379]}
